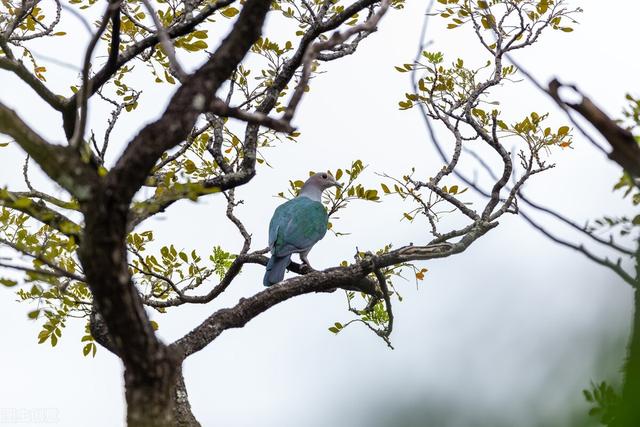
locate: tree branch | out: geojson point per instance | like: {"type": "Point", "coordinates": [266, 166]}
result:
{"type": "Point", "coordinates": [191, 100]}
{"type": "Point", "coordinates": [180, 29]}
{"type": "Point", "coordinates": [40, 212]}
{"type": "Point", "coordinates": [59, 271]}
{"type": "Point", "coordinates": [78, 131]}
{"type": "Point", "coordinates": [62, 164]}
{"type": "Point", "coordinates": [349, 277]}
{"type": "Point", "coordinates": [616, 267]}
{"type": "Point", "coordinates": [625, 150]}
{"type": "Point", "coordinates": [57, 102]}
{"type": "Point", "coordinates": [313, 50]}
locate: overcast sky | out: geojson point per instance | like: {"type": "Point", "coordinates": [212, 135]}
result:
{"type": "Point", "coordinates": [508, 332]}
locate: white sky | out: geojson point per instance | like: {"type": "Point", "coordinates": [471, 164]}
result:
{"type": "Point", "coordinates": [506, 332]}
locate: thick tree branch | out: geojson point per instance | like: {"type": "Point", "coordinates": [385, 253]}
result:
{"type": "Point", "coordinates": [625, 150]}
{"type": "Point", "coordinates": [114, 47]}
{"type": "Point", "coordinates": [318, 281]}
{"type": "Point", "coordinates": [62, 164]}
{"type": "Point", "coordinates": [366, 286]}
{"type": "Point", "coordinates": [57, 102]}
{"type": "Point", "coordinates": [99, 331]}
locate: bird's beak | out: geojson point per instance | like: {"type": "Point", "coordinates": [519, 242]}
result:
{"type": "Point", "coordinates": [336, 183]}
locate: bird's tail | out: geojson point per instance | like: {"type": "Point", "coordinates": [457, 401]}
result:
{"type": "Point", "coordinates": [275, 269]}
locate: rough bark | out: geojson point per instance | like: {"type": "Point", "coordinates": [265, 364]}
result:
{"type": "Point", "coordinates": [182, 414]}
{"type": "Point", "coordinates": [150, 393]}
{"type": "Point", "coordinates": [151, 368]}
{"type": "Point", "coordinates": [624, 147]}
{"type": "Point", "coordinates": [177, 404]}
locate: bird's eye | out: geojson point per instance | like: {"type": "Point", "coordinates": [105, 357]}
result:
{"type": "Point", "coordinates": [324, 176]}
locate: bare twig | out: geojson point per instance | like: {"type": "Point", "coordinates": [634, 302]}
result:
{"type": "Point", "coordinates": [59, 271]}
{"type": "Point", "coordinates": [46, 30]}
{"type": "Point", "coordinates": [314, 49]}
{"type": "Point", "coordinates": [165, 41]}
{"type": "Point", "coordinates": [222, 109]}
{"type": "Point", "coordinates": [560, 103]}
{"type": "Point", "coordinates": [85, 90]}
{"type": "Point", "coordinates": [387, 300]}
{"type": "Point", "coordinates": [616, 267]}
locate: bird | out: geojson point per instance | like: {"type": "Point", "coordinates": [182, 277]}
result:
{"type": "Point", "coordinates": [297, 225]}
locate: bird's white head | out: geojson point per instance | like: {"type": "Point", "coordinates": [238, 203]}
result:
{"type": "Point", "coordinates": [316, 184]}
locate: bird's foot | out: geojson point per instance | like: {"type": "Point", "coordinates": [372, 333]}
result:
{"type": "Point", "coordinates": [306, 268]}
{"type": "Point", "coordinates": [305, 263]}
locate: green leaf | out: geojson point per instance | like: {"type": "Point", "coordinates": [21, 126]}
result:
{"type": "Point", "coordinates": [33, 314]}
{"type": "Point", "coordinates": [189, 166]}
{"type": "Point", "coordinates": [488, 21]}
{"type": "Point", "coordinates": [542, 6]}
{"type": "Point", "coordinates": [199, 45]}
{"type": "Point", "coordinates": [230, 12]}
{"type": "Point", "coordinates": [200, 34]}
{"type": "Point", "coordinates": [8, 282]}
{"type": "Point", "coordinates": [86, 349]}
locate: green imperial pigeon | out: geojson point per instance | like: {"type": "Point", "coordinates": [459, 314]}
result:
{"type": "Point", "coordinates": [297, 225]}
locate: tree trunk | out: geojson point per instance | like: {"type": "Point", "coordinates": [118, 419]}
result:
{"type": "Point", "coordinates": [159, 401]}
{"type": "Point", "coordinates": [175, 397]}
{"type": "Point", "coordinates": [150, 393]}
{"type": "Point", "coordinates": [182, 414]}
{"type": "Point", "coordinates": [630, 410]}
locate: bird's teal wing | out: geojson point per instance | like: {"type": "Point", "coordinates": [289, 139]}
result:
{"type": "Point", "coordinates": [296, 226]}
